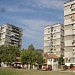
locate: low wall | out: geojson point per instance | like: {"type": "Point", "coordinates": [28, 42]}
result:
{"type": "Point", "coordinates": [71, 68]}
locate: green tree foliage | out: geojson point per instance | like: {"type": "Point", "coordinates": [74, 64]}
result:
{"type": "Point", "coordinates": [31, 47]}
{"type": "Point", "coordinates": [24, 56]}
{"type": "Point", "coordinates": [71, 66]}
{"type": "Point", "coordinates": [39, 58]}
{"type": "Point", "coordinates": [8, 53]}
{"type": "Point", "coordinates": [65, 67]}
{"type": "Point", "coordinates": [31, 56]}
{"type": "Point", "coordinates": [61, 60]}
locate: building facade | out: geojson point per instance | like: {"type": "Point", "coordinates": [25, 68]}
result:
{"type": "Point", "coordinates": [51, 59]}
{"type": "Point", "coordinates": [69, 31]}
{"type": "Point", "coordinates": [10, 35]}
{"type": "Point", "coordinates": [54, 39]}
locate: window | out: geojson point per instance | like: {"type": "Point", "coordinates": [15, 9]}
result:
{"type": "Point", "coordinates": [54, 46]}
{"type": "Point", "coordinates": [54, 36]}
{"type": "Point", "coordinates": [8, 32]}
{"type": "Point", "coordinates": [74, 59]}
{"type": "Point", "coordinates": [54, 42]}
{"type": "Point", "coordinates": [55, 60]}
{"type": "Point", "coordinates": [54, 49]}
{"type": "Point", "coordinates": [48, 31]}
{"type": "Point", "coordinates": [51, 30]}
{"type": "Point", "coordinates": [69, 60]}
{"type": "Point", "coordinates": [54, 30]}
{"type": "Point", "coordinates": [72, 7]}
{"type": "Point", "coordinates": [49, 60]}
{"type": "Point", "coordinates": [73, 49]}
{"type": "Point", "coordinates": [74, 55]}
{"type": "Point", "coordinates": [8, 27]}
{"type": "Point", "coordinates": [51, 39]}
{"type": "Point", "coordinates": [48, 37]}
{"type": "Point", "coordinates": [72, 16]}
{"type": "Point", "coordinates": [73, 24]}
{"type": "Point", "coordinates": [51, 42]}
{"type": "Point", "coordinates": [67, 7]}
{"type": "Point", "coordinates": [67, 17]}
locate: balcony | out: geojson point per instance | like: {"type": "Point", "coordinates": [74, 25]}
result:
{"type": "Point", "coordinates": [68, 32]}
{"type": "Point", "coordinates": [14, 39]}
{"type": "Point", "coordinates": [68, 43]}
{"type": "Point", "coordinates": [72, 7]}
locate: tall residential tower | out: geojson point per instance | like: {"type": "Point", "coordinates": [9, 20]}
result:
{"type": "Point", "coordinates": [54, 39]}
{"type": "Point", "coordinates": [10, 35]}
{"type": "Point", "coordinates": [69, 31]}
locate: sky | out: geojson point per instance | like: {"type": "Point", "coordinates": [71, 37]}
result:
{"type": "Point", "coordinates": [32, 16]}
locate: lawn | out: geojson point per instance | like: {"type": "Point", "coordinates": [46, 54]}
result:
{"type": "Point", "coordinates": [11, 71]}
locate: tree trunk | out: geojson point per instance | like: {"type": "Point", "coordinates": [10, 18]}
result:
{"type": "Point", "coordinates": [30, 66]}
{"type": "Point", "coordinates": [23, 66]}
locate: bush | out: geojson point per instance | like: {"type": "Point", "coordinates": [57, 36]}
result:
{"type": "Point", "coordinates": [71, 66]}
{"type": "Point", "coordinates": [65, 67]}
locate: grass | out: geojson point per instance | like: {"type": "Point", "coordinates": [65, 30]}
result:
{"type": "Point", "coordinates": [11, 71]}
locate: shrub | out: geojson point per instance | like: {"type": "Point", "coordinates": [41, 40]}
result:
{"type": "Point", "coordinates": [71, 66]}
{"type": "Point", "coordinates": [65, 67]}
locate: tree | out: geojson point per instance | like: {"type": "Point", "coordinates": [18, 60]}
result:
{"type": "Point", "coordinates": [60, 61]}
{"type": "Point", "coordinates": [24, 57]}
{"type": "Point", "coordinates": [3, 53]}
{"type": "Point", "coordinates": [39, 58]}
{"type": "Point", "coordinates": [31, 47]}
{"type": "Point", "coordinates": [8, 54]}
{"type": "Point", "coordinates": [71, 66]}
{"type": "Point", "coordinates": [65, 67]}
{"type": "Point", "coordinates": [31, 56]}
{"type": "Point", "coordinates": [31, 52]}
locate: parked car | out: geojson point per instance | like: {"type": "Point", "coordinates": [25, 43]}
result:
{"type": "Point", "coordinates": [46, 68]}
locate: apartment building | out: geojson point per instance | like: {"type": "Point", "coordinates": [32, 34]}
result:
{"type": "Point", "coordinates": [10, 35]}
{"type": "Point", "coordinates": [69, 31]}
{"type": "Point", "coordinates": [54, 39]}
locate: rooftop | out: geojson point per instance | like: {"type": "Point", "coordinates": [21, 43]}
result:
{"type": "Point", "coordinates": [50, 55]}
{"type": "Point", "coordinates": [69, 1]}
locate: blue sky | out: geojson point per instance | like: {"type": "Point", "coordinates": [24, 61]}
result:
{"type": "Point", "coordinates": [32, 16]}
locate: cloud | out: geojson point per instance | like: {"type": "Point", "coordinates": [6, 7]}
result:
{"type": "Point", "coordinates": [15, 9]}
{"type": "Point", "coordinates": [50, 4]}
{"type": "Point", "coordinates": [32, 28]}
{"type": "Point", "coordinates": [32, 16]}
{"type": "Point", "coordinates": [35, 22]}
{"type": "Point", "coordinates": [19, 10]}
{"type": "Point", "coordinates": [32, 6]}
{"type": "Point", "coordinates": [54, 4]}
{"type": "Point", "coordinates": [32, 35]}
{"type": "Point", "coordinates": [35, 27]}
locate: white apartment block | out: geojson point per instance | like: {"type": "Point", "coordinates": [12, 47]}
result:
{"type": "Point", "coordinates": [69, 31]}
{"type": "Point", "coordinates": [54, 39]}
{"type": "Point", "coordinates": [10, 35]}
